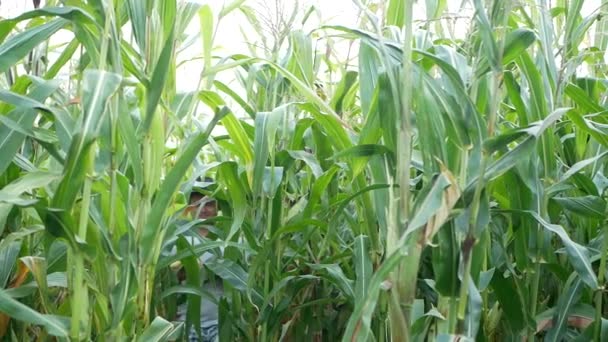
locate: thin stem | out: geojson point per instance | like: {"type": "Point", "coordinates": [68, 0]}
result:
{"type": "Point", "coordinates": [601, 279]}
{"type": "Point", "coordinates": [405, 129]}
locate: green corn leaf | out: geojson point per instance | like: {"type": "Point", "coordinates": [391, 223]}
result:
{"type": "Point", "coordinates": [235, 275]}
{"type": "Point", "coordinates": [198, 250]}
{"type": "Point", "coordinates": [359, 323]}
{"type": "Point", "coordinates": [150, 236]}
{"type": "Point", "coordinates": [309, 159]}
{"type": "Point", "coordinates": [229, 173]}
{"type": "Point", "coordinates": [188, 289]}
{"type": "Point", "coordinates": [11, 140]}
{"type": "Point", "coordinates": [22, 102]}
{"type": "Point", "coordinates": [8, 257]}
{"type": "Point", "coordinates": [18, 46]}
{"type": "Point", "coordinates": [365, 150]}
{"type": "Point", "coordinates": [54, 325]}
{"type": "Point", "coordinates": [581, 165]}
{"type": "Point", "coordinates": [193, 279]}
{"type": "Point", "coordinates": [137, 14]}
{"type": "Point", "coordinates": [434, 207]}
{"type": "Point", "coordinates": [363, 265]}
{"type": "Point", "coordinates": [206, 20]}
{"type": "Point", "coordinates": [98, 87]}
{"type": "Point", "coordinates": [516, 42]}
{"type": "Point", "coordinates": [487, 36]}
{"type": "Point", "coordinates": [271, 181]}
{"type": "Point", "coordinates": [505, 291]}
{"type": "Point", "coordinates": [566, 301]}
{"type": "Point", "coordinates": [228, 91]}
{"type": "Point", "coordinates": [157, 331]}
{"type": "Point", "coordinates": [395, 12]}
{"type": "Point", "coordinates": [582, 99]}
{"type": "Point", "coordinates": [588, 126]}
{"type": "Point", "coordinates": [239, 136]}
{"type": "Point", "coordinates": [335, 274]}
{"type": "Point", "coordinates": [154, 89]}
{"type": "Point", "coordinates": [577, 254]}
{"type": "Point", "coordinates": [585, 206]}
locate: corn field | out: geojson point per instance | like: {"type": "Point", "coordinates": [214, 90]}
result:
{"type": "Point", "coordinates": [385, 181]}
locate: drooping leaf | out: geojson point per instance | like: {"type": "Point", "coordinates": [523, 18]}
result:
{"type": "Point", "coordinates": [18, 46]}
{"type": "Point", "coordinates": [585, 206]}
{"type": "Point", "coordinates": [157, 331]}
{"type": "Point", "coordinates": [55, 325]}
{"type": "Point", "coordinates": [577, 254]}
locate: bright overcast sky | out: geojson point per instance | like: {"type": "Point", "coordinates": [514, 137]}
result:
{"type": "Point", "coordinates": [230, 40]}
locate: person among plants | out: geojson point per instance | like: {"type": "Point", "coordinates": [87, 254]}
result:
{"type": "Point", "coordinates": [203, 207]}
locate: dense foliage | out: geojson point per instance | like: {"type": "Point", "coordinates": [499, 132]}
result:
{"type": "Point", "coordinates": [431, 187]}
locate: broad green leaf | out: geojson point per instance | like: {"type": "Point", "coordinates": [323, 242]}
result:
{"type": "Point", "coordinates": [38, 268]}
{"type": "Point", "coordinates": [169, 18]}
{"type": "Point", "coordinates": [157, 331]}
{"type": "Point", "coordinates": [22, 102]}
{"type": "Point", "coordinates": [266, 125]}
{"type": "Point", "coordinates": [588, 126]}
{"type": "Point", "coordinates": [474, 309]}
{"type": "Point", "coordinates": [187, 289]}
{"type": "Point", "coordinates": [319, 187]}
{"type": "Point", "coordinates": [18, 46]}
{"type": "Point", "coordinates": [151, 238]}
{"type": "Point", "coordinates": [564, 306]}
{"type": "Point", "coordinates": [516, 42]}
{"type": "Point", "coordinates": [127, 131]}
{"type": "Point", "coordinates": [235, 275]}
{"type": "Point", "coordinates": [435, 206]}
{"type": "Point", "coordinates": [138, 17]}
{"type": "Point", "coordinates": [363, 265]}
{"type": "Point", "coordinates": [230, 92]}
{"type": "Point", "coordinates": [207, 31]}
{"type": "Point", "coordinates": [11, 140]}
{"type": "Point", "coordinates": [198, 250]}
{"type": "Point", "coordinates": [239, 136]}
{"type": "Point", "coordinates": [29, 182]}
{"type": "Point", "coordinates": [309, 159]}
{"type": "Point", "coordinates": [335, 274]}
{"type": "Point", "coordinates": [301, 59]}
{"type": "Point", "coordinates": [74, 14]}
{"type": "Point", "coordinates": [395, 12]}
{"type": "Point", "coordinates": [229, 174]}
{"type": "Point", "coordinates": [154, 89]}
{"type": "Point", "coordinates": [8, 256]}
{"type": "Point", "coordinates": [581, 165]}
{"type": "Point", "coordinates": [585, 206]}
{"type": "Point", "coordinates": [577, 254]}
{"type": "Point", "coordinates": [272, 180]}
{"type": "Point", "coordinates": [98, 87]}
{"type": "Point", "coordinates": [54, 325]}
{"type": "Point", "coordinates": [582, 99]}
{"type": "Point", "coordinates": [193, 279]}
{"type": "Point", "coordinates": [359, 323]}
{"type": "Point", "coordinates": [490, 48]}
{"type": "Point", "coordinates": [506, 293]}
{"type": "Point", "coordinates": [365, 150]}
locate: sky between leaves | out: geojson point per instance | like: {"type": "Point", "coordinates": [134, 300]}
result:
{"type": "Point", "coordinates": [230, 38]}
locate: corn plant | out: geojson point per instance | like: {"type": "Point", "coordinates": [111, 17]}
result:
{"type": "Point", "coordinates": [437, 189]}
{"type": "Point", "coordinates": [89, 187]}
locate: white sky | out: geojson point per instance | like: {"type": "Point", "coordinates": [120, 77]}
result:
{"type": "Point", "coordinates": [230, 39]}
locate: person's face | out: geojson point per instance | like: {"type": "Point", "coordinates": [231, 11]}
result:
{"type": "Point", "coordinates": [208, 210]}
